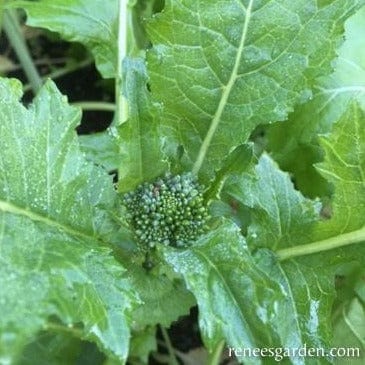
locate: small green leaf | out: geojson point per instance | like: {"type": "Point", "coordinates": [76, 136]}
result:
{"type": "Point", "coordinates": [239, 160]}
{"type": "Point", "coordinates": [344, 167]}
{"type": "Point", "coordinates": [142, 344]}
{"type": "Point", "coordinates": [280, 215]}
{"type": "Point", "coordinates": [141, 141]}
{"type": "Point", "coordinates": [164, 299]}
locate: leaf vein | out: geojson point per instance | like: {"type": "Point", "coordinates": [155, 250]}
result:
{"type": "Point", "coordinates": [225, 94]}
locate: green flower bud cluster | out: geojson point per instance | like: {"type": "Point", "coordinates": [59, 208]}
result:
{"type": "Point", "coordinates": [169, 211]}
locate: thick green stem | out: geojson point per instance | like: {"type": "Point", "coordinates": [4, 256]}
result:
{"type": "Point", "coordinates": [14, 34]}
{"type": "Point", "coordinates": [324, 245]}
{"type": "Point", "coordinates": [121, 112]}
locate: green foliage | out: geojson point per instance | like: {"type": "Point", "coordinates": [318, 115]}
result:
{"type": "Point", "coordinates": [93, 24]}
{"type": "Point", "coordinates": [54, 224]}
{"type": "Point", "coordinates": [168, 211]}
{"type": "Point", "coordinates": [280, 215]}
{"type": "Point", "coordinates": [344, 167]}
{"type": "Point", "coordinates": [222, 75]}
{"type": "Point", "coordinates": [101, 148]}
{"type": "Point", "coordinates": [283, 268]}
{"type": "Point", "coordinates": [214, 270]}
{"type": "Point", "coordinates": [153, 288]}
{"type": "Point", "coordinates": [295, 142]}
{"type": "Point", "coordinates": [141, 143]}
{"type": "Point", "coordinates": [348, 316]}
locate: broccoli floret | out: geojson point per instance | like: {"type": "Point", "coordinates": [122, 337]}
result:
{"type": "Point", "coordinates": [170, 211]}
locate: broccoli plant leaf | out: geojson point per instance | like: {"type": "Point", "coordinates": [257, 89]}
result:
{"type": "Point", "coordinates": [92, 23]}
{"type": "Point", "coordinates": [221, 70]}
{"type": "Point", "coordinates": [249, 301]}
{"type": "Point", "coordinates": [56, 271]}
{"type": "Point", "coordinates": [281, 216]}
{"type": "Point", "coordinates": [222, 276]}
{"type": "Point", "coordinates": [294, 143]}
{"type": "Point", "coordinates": [141, 155]}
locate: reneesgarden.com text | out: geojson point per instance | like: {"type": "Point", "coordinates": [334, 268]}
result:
{"type": "Point", "coordinates": [279, 353]}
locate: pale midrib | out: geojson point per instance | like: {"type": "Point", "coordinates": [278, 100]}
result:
{"type": "Point", "coordinates": [225, 95]}
{"type": "Point", "coordinates": [331, 243]}
{"type": "Point", "coordinates": [11, 208]}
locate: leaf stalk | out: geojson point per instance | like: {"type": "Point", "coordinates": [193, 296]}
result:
{"type": "Point", "coordinates": [324, 245]}
{"type": "Point", "coordinates": [95, 105]}
{"type": "Point", "coordinates": [121, 112]}
{"type": "Point", "coordinates": [14, 34]}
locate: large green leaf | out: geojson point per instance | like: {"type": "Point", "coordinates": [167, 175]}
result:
{"type": "Point", "coordinates": [221, 69]}
{"type": "Point", "coordinates": [92, 23]}
{"type": "Point", "coordinates": [56, 272]}
{"type": "Point", "coordinates": [236, 300]}
{"type": "Point", "coordinates": [253, 301]}
{"type": "Point", "coordinates": [281, 218]}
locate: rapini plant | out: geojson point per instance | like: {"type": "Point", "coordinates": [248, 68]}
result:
{"type": "Point", "coordinates": [237, 149]}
